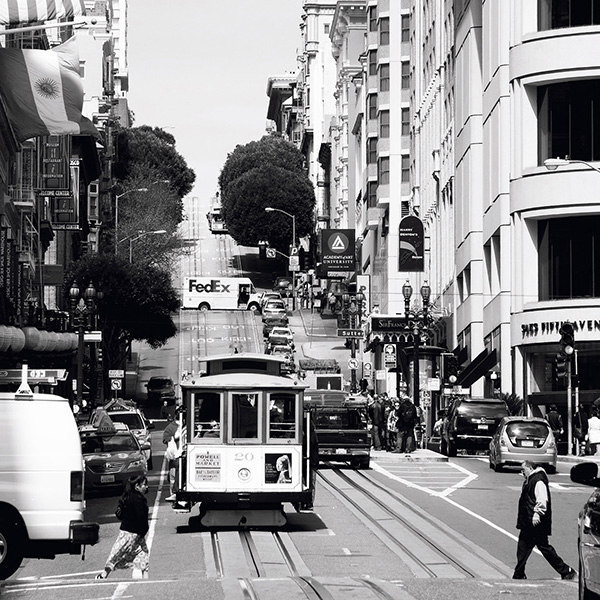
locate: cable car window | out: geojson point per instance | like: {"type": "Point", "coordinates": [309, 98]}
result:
{"type": "Point", "coordinates": [244, 409]}
{"type": "Point", "coordinates": [282, 415]}
{"type": "Point", "coordinates": [207, 416]}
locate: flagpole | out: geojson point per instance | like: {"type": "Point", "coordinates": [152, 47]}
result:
{"type": "Point", "coordinates": [45, 26]}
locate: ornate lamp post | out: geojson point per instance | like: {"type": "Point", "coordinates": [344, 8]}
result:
{"type": "Point", "coordinates": [419, 323]}
{"type": "Point", "coordinates": [83, 309]}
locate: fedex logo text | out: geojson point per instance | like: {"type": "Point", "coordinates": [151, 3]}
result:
{"type": "Point", "coordinates": [215, 286]}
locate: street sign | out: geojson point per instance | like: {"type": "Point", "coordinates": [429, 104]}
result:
{"type": "Point", "coordinates": [294, 263]}
{"type": "Point", "coordinates": [271, 253]}
{"type": "Point", "coordinates": [352, 364]}
{"type": "Point", "coordinates": [293, 250]}
{"type": "Point", "coordinates": [115, 384]}
{"type": "Point", "coordinates": [116, 373]}
{"type": "Point", "coordinates": [367, 367]}
{"type": "Point", "coordinates": [389, 356]}
{"type": "Point", "coordinates": [350, 333]}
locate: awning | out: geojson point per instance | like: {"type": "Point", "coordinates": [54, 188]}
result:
{"type": "Point", "coordinates": [477, 368]}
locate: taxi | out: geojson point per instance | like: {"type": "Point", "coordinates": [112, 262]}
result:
{"type": "Point", "coordinates": [127, 412]}
{"type": "Point", "coordinates": [111, 454]}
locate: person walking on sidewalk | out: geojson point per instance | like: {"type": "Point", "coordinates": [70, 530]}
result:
{"type": "Point", "coordinates": [407, 419]}
{"type": "Point", "coordinates": [534, 521]}
{"type": "Point", "coordinates": [555, 421]}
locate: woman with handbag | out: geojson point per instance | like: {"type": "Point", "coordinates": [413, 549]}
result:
{"type": "Point", "coordinates": [130, 549]}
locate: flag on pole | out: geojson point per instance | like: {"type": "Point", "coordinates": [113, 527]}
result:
{"type": "Point", "coordinates": [43, 91]}
{"type": "Point", "coordinates": [29, 11]}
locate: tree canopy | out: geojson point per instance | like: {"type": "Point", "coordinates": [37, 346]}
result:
{"type": "Point", "coordinates": [266, 173]}
{"type": "Point", "coordinates": [137, 302]}
{"type": "Point", "coordinates": [153, 148]}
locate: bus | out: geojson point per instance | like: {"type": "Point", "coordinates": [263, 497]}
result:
{"type": "Point", "coordinates": [216, 224]}
{"type": "Point", "coordinates": [248, 445]}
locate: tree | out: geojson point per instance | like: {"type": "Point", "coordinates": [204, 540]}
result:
{"type": "Point", "coordinates": [153, 148]}
{"type": "Point", "coordinates": [266, 173]}
{"type": "Point", "coordinates": [137, 303]}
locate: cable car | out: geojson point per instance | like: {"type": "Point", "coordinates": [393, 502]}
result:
{"type": "Point", "coordinates": [215, 220]}
{"type": "Point", "coordinates": [247, 444]}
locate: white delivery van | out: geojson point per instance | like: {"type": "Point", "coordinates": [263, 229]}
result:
{"type": "Point", "coordinates": [41, 479]}
{"type": "Point", "coordinates": [220, 293]}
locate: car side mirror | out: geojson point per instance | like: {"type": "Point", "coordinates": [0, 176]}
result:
{"type": "Point", "coordinates": [150, 425]}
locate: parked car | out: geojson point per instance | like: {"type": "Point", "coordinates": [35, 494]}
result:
{"type": "Point", "coordinates": [127, 412]}
{"type": "Point", "coordinates": [523, 438]}
{"type": "Point", "coordinates": [274, 308]}
{"type": "Point", "coordinates": [111, 454]}
{"type": "Point", "coordinates": [160, 389]}
{"type": "Point", "coordinates": [470, 423]}
{"type": "Point", "coordinates": [270, 322]}
{"type": "Point", "coordinates": [588, 534]}
{"type": "Point", "coordinates": [284, 350]}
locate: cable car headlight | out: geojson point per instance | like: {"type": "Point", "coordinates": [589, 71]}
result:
{"type": "Point", "coordinates": [244, 474]}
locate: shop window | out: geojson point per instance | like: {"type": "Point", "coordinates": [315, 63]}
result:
{"type": "Point", "coordinates": [569, 120]}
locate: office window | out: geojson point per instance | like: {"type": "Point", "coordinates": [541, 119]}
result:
{"type": "Point", "coordinates": [558, 14]}
{"type": "Point", "coordinates": [371, 151]}
{"type": "Point", "coordinates": [569, 120]}
{"type": "Point", "coordinates": [372, 194]}
{"type": "Point", "coordinates": [384, 124]}
{"type": "Point", "coordinates": [383, 171]}
{"type": "Point", "coordinates": [384, 77]}
{"type": "Point", "coordinates": [405, 75]}
{"type": "Point", "coordinates": [405, 28]}
{"type": "Point", "coordinates": [372, 62]}
{"type": "Point", "coordinates": [326, 28]}
{"type": "Point", "coordinates": [384, 31]}
{"type": "Point", "coordinates": [372, 106]}
{"type": "Point", "coordinates": [405, 115]}
{"type": "Point", "coordinates": [373, 18]}
{"type": "Point", "coordinates": [405, 176]}
{"type": "Point", "coordinates": [569, 258]}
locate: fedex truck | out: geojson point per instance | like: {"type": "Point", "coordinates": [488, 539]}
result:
{"type": "Point", "coordinates": [220, 293]}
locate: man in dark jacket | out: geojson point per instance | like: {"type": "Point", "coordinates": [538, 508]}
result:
{"type": "Point", "coordinates": [555, 421]}
{"type": "Point", "coordinates": [376, 412]}
{"type": "Point", "coordinates": [407, 419]}
{"type": "Point", "coordinates": [534, 522]}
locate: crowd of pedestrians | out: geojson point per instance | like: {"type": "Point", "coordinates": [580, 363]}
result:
{"type": "Point", "coordinates": [396, 423]}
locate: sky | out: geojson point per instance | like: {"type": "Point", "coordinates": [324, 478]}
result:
{"type": "Point", "coordinates": [199, 70]}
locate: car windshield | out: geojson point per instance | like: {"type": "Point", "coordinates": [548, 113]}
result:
{"type": "Point", "coordinates": [120, 442]}
{"type": "Point", "coordinates": [340, 418]}
{"type": "Point", "coordinates": [132, 420]}
{"type": "Point", "coordinates": [524, 429]}
{"type": "Point", "coordinates": [156, 383]}
{"type": "Point", "coordinates": [483, 409]}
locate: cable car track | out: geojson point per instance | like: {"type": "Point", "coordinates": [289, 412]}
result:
{"type": "Point", "coordinates": [266, 565]}
{"type": "Point", "coordinates": [428, 546]}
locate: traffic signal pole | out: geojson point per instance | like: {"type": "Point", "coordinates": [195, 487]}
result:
{"type": "Point", "coordinates": [569, 409]}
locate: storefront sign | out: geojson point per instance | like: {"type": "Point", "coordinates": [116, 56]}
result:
{"type": "Point", "coordinates": [543, 326]}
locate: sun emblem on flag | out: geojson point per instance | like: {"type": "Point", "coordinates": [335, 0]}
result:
{"type": "Point", "coordinates": [46, 87]}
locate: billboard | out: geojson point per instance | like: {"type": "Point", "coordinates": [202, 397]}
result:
{"type": "Point", "coordinates": [411, 245]}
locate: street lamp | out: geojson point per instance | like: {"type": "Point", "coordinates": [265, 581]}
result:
{"type": "Point", "coordinates": [293, 217]}
{"type": "Point", "coordinates": [142, 234]}
{"type": "Point", "coordinates": [553, 163]}
{"type": "Point", "coordinates": [117, 197]}
{"type": "Point", "coordinates": [419, 324]}
{"type": "Point", "coordinates": [83, 309]}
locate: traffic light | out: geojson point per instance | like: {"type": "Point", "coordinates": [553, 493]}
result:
{"type": "Point", "coordinates": [561, 366]}
{"type": "Point", "coordinates": [450, 374]}
{"type": "Point", "coordinates": [567, 339]}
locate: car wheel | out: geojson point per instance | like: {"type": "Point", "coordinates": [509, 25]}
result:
{"type": "Point", "coordinates": [584, 593]}
{"type": "Point", "coordinates": [498, 467]}
{"type": "Point", "coordinates": [255, 308]}
{"type": "Point", "coordinates": [150, 463]}
{"type": "Point", "coordinates": [551, 469]}
{"type": "Point", "coordinates": [204, 307]}
{"type": "Point", "coordinates": [11, 550]}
